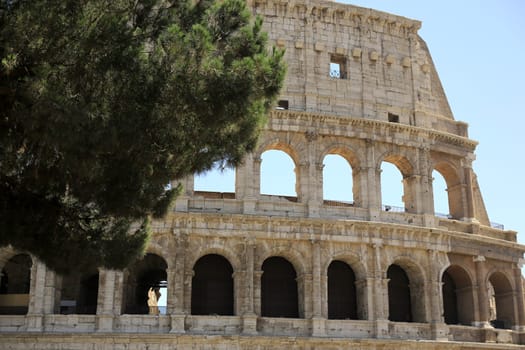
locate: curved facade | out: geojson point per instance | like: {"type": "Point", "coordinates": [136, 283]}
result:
{"type": "Point", "coordinates": [251, 270]}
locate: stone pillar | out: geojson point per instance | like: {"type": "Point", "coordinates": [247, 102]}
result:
{"type": "Point", "coordinates": [435, 293]}
{"type": "Point", "coordinates": [304, 290]}
{"type": "Point", "coordinates": [483, 298]}
{"type": "Point", "coordinates": [381, 294]}
{"type": "Point", "coordinates": [41, 296]}
{"type": "Point", "coordinates": [246, 184]}
{"type": "Point", "coordinates": [181, 203]}
{"type": "Point", "coordinates": [177, 286]}
{"type": "Point", "coordinates": [371, 179]}
{"type": "Point", "coordinates": [520, 305]}
{"type": "Point", "coordinates": [249, 318]}
{"type": "Point", "coordinates": [411, 196]}
{"type": "Point", "coordinates": [250, 183]}
{"type": "Point", "coordinates": [364, 295]}
{"type": "Point", "coordinates": [105, 300]}
{"type": "Point", "coordinates": [257, 275]}
{"type": "Point", "coordinates": [318, 322]}
{"type": "Point", "coordinates": [469, 192]}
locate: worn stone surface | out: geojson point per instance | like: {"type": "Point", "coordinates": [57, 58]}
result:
{"type": "Point", "coordinates": [385, 103]}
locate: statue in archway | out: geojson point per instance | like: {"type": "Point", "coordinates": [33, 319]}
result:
{"type": "Point", "coordinates": [153, 297]}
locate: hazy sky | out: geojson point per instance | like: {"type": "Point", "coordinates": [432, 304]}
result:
{"type": "Point", "coordinates": [478, 48]}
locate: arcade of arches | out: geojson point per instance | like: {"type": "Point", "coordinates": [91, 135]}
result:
{"type": "Point", "coordinates": [343, 182]}
{"type": "Point", "coordinates": [215, 290]}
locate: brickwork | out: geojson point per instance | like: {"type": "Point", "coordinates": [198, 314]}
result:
{"type": "Point", "coordinates": [382, 102]}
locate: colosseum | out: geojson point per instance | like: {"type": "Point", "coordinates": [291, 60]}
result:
{"type": "Point", "coordinates": [248, 270]}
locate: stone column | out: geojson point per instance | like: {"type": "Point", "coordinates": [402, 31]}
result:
{"type": "Point", "coordinates": [318, 322]}
{"type": "Point", "coordinates": [250, 183]}
{"type": "Point", "coordinates": [304, 290]}
{"type": "Point", "coordinates": [481, 288]}
{"type": "Point", "coordinates": [257, 275]}
{"type": "Point", "coordinates": [469, 192]}
{"type": "Point", "coordinates": [41, 296]}
{"type": "Point", "coordinates": [177, 287]}
{"type": "Point", "coordinates": [249, 318]}
{"type": "Point", "coordinates": [371, 178]}
{"type": "Point", "coordinates": [520, 305]}
{"type": "Point", "coordinates": [106, 300]}
{"type": "Point", "coordinates": [436, 306]}
{"type": "Point", "coordinates": [380, 293]}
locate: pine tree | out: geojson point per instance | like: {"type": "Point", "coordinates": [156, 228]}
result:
{"type": "Point", "coordinates": [103, 103]}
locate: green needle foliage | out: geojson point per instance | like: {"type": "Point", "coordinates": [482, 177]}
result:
{"type": "Point", "coordinates": [103, 103]}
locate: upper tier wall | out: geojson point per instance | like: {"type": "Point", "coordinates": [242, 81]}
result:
{"type": "Point", "coordinates": [379, 64]}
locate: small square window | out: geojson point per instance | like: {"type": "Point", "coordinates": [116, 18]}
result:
{"type": "Point", "coordinates": [393, 118]}
{"type": "Point", "coordinates": [337, 66]}
{"type": "Point", "coordinates": [282, 104]}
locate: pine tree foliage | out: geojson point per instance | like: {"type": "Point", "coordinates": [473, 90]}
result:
{"type": "Point", "coordinates": [103, 103]}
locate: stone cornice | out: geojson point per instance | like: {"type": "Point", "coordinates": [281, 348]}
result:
{"type": "Point", "coordinates": [306, 119]}
{"type": "Point", "coordinates": [275, 227]}
{"type": "Point", "coordinates": [335, 12]}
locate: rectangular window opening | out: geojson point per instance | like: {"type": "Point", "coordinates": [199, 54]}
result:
{"type": "Point", "coordinates": [282, 104]}
{"type": "Point", "coordinates": [393, 118]}
{"type": "Point", "coordinates": [338, 67]}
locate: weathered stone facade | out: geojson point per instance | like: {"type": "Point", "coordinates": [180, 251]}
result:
{"type": "Point", "coordinates": [384, 103]}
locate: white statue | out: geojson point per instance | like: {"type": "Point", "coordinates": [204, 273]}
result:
{"type": "Point", "coordinates": [153, 297]}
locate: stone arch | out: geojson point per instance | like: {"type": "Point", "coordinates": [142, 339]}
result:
{"type": "Point", "coordinates": [148, 272]}
{"type": "Point", "coordinates": [407, 283]}
{"type": "Point", "coordinates": [405, 167]}
{"type": "Point", "coordinates": [233, 258]}
{"type": "Point", "coordinates": [292, 255]}
{"type": "Point", "coordinates": [354, 260]}
{"type": "Point", "coordinates": [502, 302]}
{"type": "Point", "coordinates": [454, 189]}
{"type": "Point", "coordinates": [279, 288]}
{"type": "Point", "coordinates": [351, 157]}
{"type": "Point", "coordinates": [458, 296]}
{"type": "Point", "coordinates": [212, 286]}
{"type": "Point", "coordinates": [279, 145]}
{"type": "Point", "coordinates": [15, 282]}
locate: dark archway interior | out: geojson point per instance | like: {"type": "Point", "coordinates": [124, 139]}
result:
{"type": "Point", "coordinates": [150, 272]}
{"type": "Point", "coordinates": [342, 300]}
{"type": "Point", "coordinates": [399, 304]}
{"type": "Point", "coordinates": [15, 280]}
{"type": "Point", "coordinates": [212, 286]}
{"type": "Point", "coordinates": [450, 302]}
{"type": "Point", "coordinates": [279, 289]}
{"type": "Point", "coordinates": [79, 293]}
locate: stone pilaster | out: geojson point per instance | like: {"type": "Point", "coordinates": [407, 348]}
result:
{"type": "Point", "coordinates": [483, 298]}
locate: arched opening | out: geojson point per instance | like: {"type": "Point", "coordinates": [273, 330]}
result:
{"type": "Point", "coordinates": [447, 191]}
{"type": "Point", "coordinates": [391, 188]}
{"type": "Point", "coordinates": [15, 280]}
{"type": "Point", "coordinates": [146, 286]}
{"type": "Point", "coordinates": [439, 190]}
{"type": "Point", "coordinates": [399, 299]}
{"type": "Point", "coordinates": [79, 293]}
{"type": "Point", "coordinates": [278, 174]}
{"type": "Point", "coordinates": [458, 302]}
{"type": "Point", "coordinates": [501, 301]}
{"type": "Point", "coordinates": [337, 180]}
{"type": "Point", "coordinates": [342, 298]}
{"type": "Point", "coordinates": [212, 286]}
{"type": "Point", "coordinates": [279, 289]}
{"type": "Point", "coordinates": [218, 182]}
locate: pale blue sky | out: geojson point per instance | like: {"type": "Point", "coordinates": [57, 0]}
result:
{"type": "Point", "coordinates": [478, 48]}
